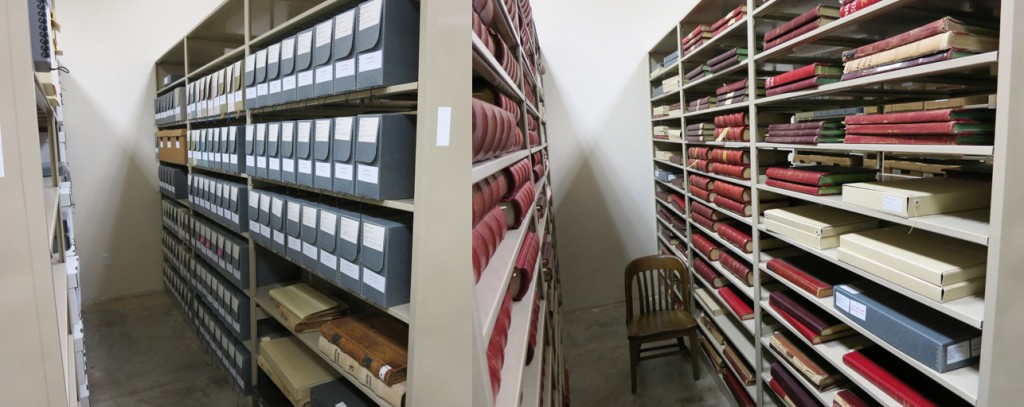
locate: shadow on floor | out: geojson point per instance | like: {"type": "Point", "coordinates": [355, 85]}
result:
{"type": "Point", "coordinates": [142, 352]}
{"type": "Point", "coordinates": [597, 355]}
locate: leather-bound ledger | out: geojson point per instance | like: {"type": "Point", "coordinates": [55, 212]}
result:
{"type": "Point", "coordinates": [779, 391]}
{"type": "Point", "coordinates": [908, 386]}
{"type": "Point", "coordinates": [746, 209]}
{"type": "Point", "coordinates": [727, 55]}
{"type": "Point", "coordinates": [732, 191]}
{"type": "Point", "coordinates": [808, 83]}
{"type": "Point", "coordinates": [795, 391]}
{"type": "Point", "coordinates": [810, 365]}
{"type": "Point", "coordinates": [712, 354]}
{"type": "Point", "coordinates": [807, 17]}
{"type": "Point", "coordinates": [802, 139]}
{"type": "Point", "coordinates": [732, 87]}
{"type": "Point", "coordinates": [732, 134]}
{"type": "Point", "coordinates": [744, 172]}
{"type": "Point", "coordinates": [700, 153]}
{"type": "Point", "coordinates": [736, 389]}
{"type": "Point", "coordinates": [959, 115]}
{"type": "Point", "coordinates": [802, 73]}
{"type": "Point", "coordinates": [305, 308]}
{"type": "Point", "coordinates": [739, 268]}
{"type": "Point", "coordinates": [733, 16]}
{"type": "Point", "coordinates": [708, 274]}
{"type": "Point", "coordinates": [739, 306]}
{"type": "Point", "coordinates": [821, 175]}
{"type": "Point", "coordinates": [849, 398]}
{"type": "Point", "coordinates": [703, 221]}
{"type": "Point", "coordinates": [702, 194]}
{"type": "Point", "coordinates": [702, 182]}
{"type": "Point", "coordinates": [826, 133]}
{"type": "Point", "coordinates": [809, 125]}
{"type": "Point", "coordinates": [677, 201]}
{"type": "Point", "coordinates": [706, 247]}
{"type": "Point", "coordinates": [723, 155]}
{"type": "Point", "coordinates": [738, 119]}
{"type": "Point", "coordinates": [804, 29]}
{"type": "Point", "coordinates": [743, 372]}
{"type": "Point", "coordinates": [940, 26]}
{"type": "Point", "coordinates": [737, 237]}
{"type": "Point", "coordinates": [949, 139]}
{"type": "Point", "coordinates": [810, 273]}
{"type": "Point", "coordinates": [707, 211]}
{"type": "Point", "coordinates": [380, 344]}
{"type": "Point", "coordinates": [394, 394]}
{"type": "Point", "coordinates": [716, 333]}
{"type": "Point", "coordinates": [895, 66]}
{"type": "Point", "coordinates": [697, 32]}
{"type": "Point", "coordinates": [734, 60]}
{"type": "Point", "coordinates": [941, 128]}
{"type": "Point", "coordinates": [805, 189]}
{"type": "Point", "coordinates": [922, 47]}
{"type": "Point", "coordinates": [809, 315]}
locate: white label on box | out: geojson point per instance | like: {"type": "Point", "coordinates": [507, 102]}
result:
{"type": "Point", "coordinates": [343, 171]}
{"type": "Point", "coordinates": [377, 281]}
{"type": "Point", "coordinates": [349, 229]}
{"type": "Point", "coordinates": [345, 68]}
{"type": "Point", "coordinates": [250, 63]}
{"type": "Point", "coordinates": [368, 128]}
{"type": "Point", "coordinates": [279, 238]}
{"type": "Point", "coordinates": [894, 203]}
{"type": "Point", "coordinates": [371, 61]}
{"type": "Point", "coordinates": [323, 33]}
{"type": "Point", "coordinates": [253, 225]}
{"type": "Point", "coordinates": [369, 14]}
{"type": "Point", "coordinates": [958, 352]}
{"type": "Point", "coordinates": [309, 216]}
{"type": "Point", "coordinates": [250, 161]}
{"type": "Point", "coordinates": [343, 128]}
{"type": "Point", "coordinates": [261, 132]}
{"type": "Point", "coordinates": [976, 347]}
{"type": "Point", "coordinates": [234, 159]}
{"type": "Point", "coordinates": [323, 130]}
{"type": "Point", "coordinates": [348, 268]}
{"type": "Point", "coordinates": [293, 211]}
{"type": "Point", "coordinates": [310, 251]}
{"type": "Point", "coordinates": [275, 164]}
{"type": "Point", "coordinates": [304, 128]}
{"type": "Point", "coordinates": [328, 221]}
{"type": "Point", "coordinates": [288, 164]}
{"type": "Point", "coordinates": [177, 144]}
{"type": "Point", "coordinates": [275, 86]}
{"type": "Point", "coordinates": [305, 43]}
{"type": "Point", "coordinates": [234, 218]}
{"type": "Point", "coordinates": [368, 174]}
{"type": "Point", "coordinates": [234, 193]}
{"type": "Point", "coordinates": [343, 23]}
{"type": "Point", "coordinates": [323, 169]}
{"type": "Point", "coordinates": [288, 48]}
{"type": "Point", "coordinates": [329, 260]}
{"type": "Point", "coordinates": [842, 302]}
{"type": "Point", "coordinates": [305, 167]}
{"type": "Point", "coordinates": [264, 203]}
{"type": "Point", "coordinates": [287, 129]}
{"type": "Point", "coordinates": [261, 59]}
{"type": "Point", "coordinates": [261, 89]}
{"type": "Point", "coordinates": [276, 206]}
{"type": "Point", "coordinates": [261, 162]}
{"type": "Point", "coordinates": [324, 74]}
{"type": "Point", "coordinates": [288, 82]}
{"type": "Point", "coordinates": [250, 93]}
{"type": "Point", "coordinates": [265, 231]}
{"type": "Point", "coordinates": [858, 310]}
{"type": "Point", "coordinates": [305, 78]}
{"type": "Point", "coordinates": [373, 236]}
{"type": "Point", "coordinates": [274, 53]}
{"type": "Point", "coordinates": [294, 243]}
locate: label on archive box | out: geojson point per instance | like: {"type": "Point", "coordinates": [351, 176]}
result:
{"type": "Point", "coordinates": [371, 61]}
{"type": "Point", "coordinates": [343, 128]}
{"type": "Point", "coordinates": [305, 43]}
{"type": "Point", "coordinates": [323, 33]}
{"type": "Point", "coordinates": [288, 82]}
{"type": "Point", "coordinates": [344, 69]}
{"type": "Point", "coordinates": [323, 131]}
{"type": "Point", "coordinates": [310, 250]}
{"type": "Point", "coordinates": [261, 162]}
{"type": "Point", "coordinates": [893, 203]}
{"type": "Point", "coordinates": [294, 243]}
{"type": "Point", "coordinates": [343, 171]}
{"type": "Point", "coordinates": [958, 352]}
{"type": "Point", "coordinates": [304, 128]}
{"type": "Point", "coordinates": [328, 221]}
{"type": "Point", "coordinates": [275, 164]}
{"type": "Point", "coordinates": [305, 166]}
{"type": "Point", "coordinates": [377, 281]}
{"type": "Point", "coordinates": [369, 14]}
{"type": "Point", "coordinates": [344, 23]}
{"type": "Point", "coordinates": [349, 229]}
{"type": "Point", "coordinates": [323, 169]}
{"type": "Point", "coordinates": [287, 128]}
{"type": "Point", "coordinates": [368, 174]}
{"type": "Point", "coordinates": [261, 89]}
{"type": "Point", "coordinates": [329, 260]}
{"type": "Point", "coordinates": [348, 268]}
{"type": "Point", "coordinates": [842, 302]}
{"type": "Point", "coordinates": [305, 78]}
{"type": "Point", "coordinates": [309, 216]}
{"type": "Point", "coordinates": [293, 212]}
{"type": "Point", "coordinates": [279, 237]}
{"type": "Point", "coordinates": [324, 74]}
{"type": "Point", "coordinates": [250, 63]}
{"type": "Point", "coordinates": [368, 127]}
{"type": "Point", "coordinates": [288, 48]}
{"type": "Point", "coordinates": [261, 60]}
{"type": "Point", "coordinates": [858, 310]}
{"type": "Point", "coordinates": [265, 231]}
{"type": "Point", "coordinates": [275, 86]}
{"type": "Point", "coordinates": [276, 206]}
{"type": "Point", "coordinates": [373, 236]}
{"type": "Point", "coordinates": [288, 164]}
{"type": "Point", "coordinates": [274, 53]}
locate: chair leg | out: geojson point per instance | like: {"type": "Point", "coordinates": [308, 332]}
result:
{"type": "Point", "coordinates": [634, 360]}
{"type": "Point", "coordinates": [694, 356]}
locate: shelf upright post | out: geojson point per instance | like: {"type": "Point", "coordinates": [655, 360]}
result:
{"type": "Point", "coordinates": [446, 353]}
{"type": "Point", "coordinates": [1000, 361]}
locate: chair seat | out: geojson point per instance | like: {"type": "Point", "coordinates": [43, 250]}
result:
{"type": "Point", "coordinates": [659, 322]}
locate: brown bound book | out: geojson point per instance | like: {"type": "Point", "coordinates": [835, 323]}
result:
{"type": "Point", "coordinates": [943, 25]}
{"type": "Point", "coordinates": [743, 372]}
{"type": "Point", "coordinates": [716, 333]}
{"type": "Point", "coordinates": [810, 365]}
{"type": "Point", "coordinates": [380, 344]}
{"type": "Point", "coordinates": [712, 354]}
{"type": "Point", "coordinates": [926, 46]}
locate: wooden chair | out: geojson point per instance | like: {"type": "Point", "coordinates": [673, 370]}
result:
{"type": "Point", "coordinates": [661, 281]}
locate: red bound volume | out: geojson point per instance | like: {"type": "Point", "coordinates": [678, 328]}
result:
{"type": "Point", "coordinates": [736, 388]}
{"type": "Point", "coordinates": [732, 87]}
{"type": "Point", "coordinates": [799, 21]}
{"type": "Point", "coordinates": [778, 390]}
{"type": "Point", "coordinates": [799, 126]}
{"type": "Point", "coordinates": [700, 153]}
{"type": "Point", "coordinates": [794, 133]}
{"type": "Point", "coordinates": [808, 177]}
{"type": "Point", "coordinates": [792, 186]}
{"type": "Point", "coordinates": [949, 139]}
{"type": "Point", "coordinates": [804, 29]}
{"type": "Point", "coordinates": [890, 383]}
{"type": "Point", "coordinates": [733, 192]}
{"type": "Point", "coordinates": [703, 221]}
{"type": "Point", "coordinates": [703, 210]}
{"type": "Point", "coordinates": [923, 116]}
{"type": "Point", "coordinates": [855, 6]}
{"type": "Point", "coordinates": [738, 119]}
{"type": "Point", "coordinates": [705, 246]}
{"type": "Point", "coordinates": [699, 165]}
{"type": "Point", "coordinates": [794, 139]}
{"type": "Point", "coordinates": [738, 268]}
{"type": "Point", "coordinates": [934, 28]}
{"type": "Point", "coordinates": [941, 128]}
{"type": "Point", "coordinates": [678, 202]}
{"type": "Point", "coordinates": [811, 317]}
{"type": "Point", "coordinates": [701, 182]}
{"type": "Point", "coordinates": [735, 303]}
{"type": "Point", "coordinates": [730, 170]}
{"type": "Point", "coordinates": [800, 329]}
{"type": "Point", "coordinates": [847, 398]}
{"type": "Point", "coordinates": [696, 32]}
{"type": "Point", "coordinates": [707, 273]}
{"type": "Point", "coordinates": [800, 278]}
{"type": "Point", "coordinates": [808, 83]}
{"type": "Point", "coordinates": [702, 194]}
{"type": "Point", "coordinates": [796, 75]}
{"type": "Point", "coordinates": [729, 156]}
{"type": "Point", "coordinates": [731, 205]}
{"type": "Point", "coordinates": [737, 237]}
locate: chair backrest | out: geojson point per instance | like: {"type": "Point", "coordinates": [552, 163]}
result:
{"type": "Point", "coordinates": [660, 281]}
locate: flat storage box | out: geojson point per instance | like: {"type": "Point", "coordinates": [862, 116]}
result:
{"type": "Point", "coordinates": [339, 393]}
{"type": "Point", "coordinates": [921, 333]}
{"type": "Point", "coordinates": [814, 225]}
{"type": "Point", "coordinates": [172, 146]}
{"type": "Point", "coordinates": [294, 367]}
{"type": "Point", "coordinates": [385, 253]}
{"type": "Point", "coordinates": [387, 43]}
{"type": "Point", "coordinates": [385, 156]}
{"type": "Point", "coordinates": [919, 197]}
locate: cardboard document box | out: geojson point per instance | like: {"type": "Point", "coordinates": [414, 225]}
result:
{"type": "Point", "coordinates": [293, 227]}
{"type": "Point", "coordinates": [304, 153]}
{"type": "Point", "coordinates": [385, 156]}
{"type": "Point", "coordinates": [940, 294]}
{"type": "Point", "coordinates": [273, 74]}
{"type": "Point", "coordinates": [261, 150]}
{"type": "Point", "coordinates": [286, 150]}
{"type": "Point", "coordinates": [273, 151]}
{"type": "Point", "coordinates": [327, 237]}
{"type": "Point", "coordinates": [323, 176]}
{"type": "Point", "coordinates": [254, 213]}
{"type": "Point", "coordinates": [309, 233]}
{"type": "Point", "coordinates": [287, 70]}
{"type": "Point", "coordinates": [262, 87]}
{"type": "Point", "coordinates": [323, 68]}
{"type": "Point", "coordinates": [347, 249]}
{"type": "Point", "coordinates": [385, 249]}
{"type": "Point", "coordinates": [343, 155]}
{"type": "Point", "coordinates": [927, 336]}
{"type": "Point", "coordinates": [250, 150]}
{"type": "Point", "coordinates": [216, 149]}
{"type": "Point", "coordinates": [236, 145]}
{"type": "Point", "coordinates": [266, 207]}
{"type": "Point", "coordinates": [294, 368]}
{"type": "Point", "coordinates": [278, 242]}
{"type": "Point", "coordinates": [174, 182]}
{"type": "Point", "coordinates": [249, 83]}
{"type": "Point", "coordinates": [339, 393]}
{"type": "Point", "coordinates": [237, 85]}
{"type": "Point", "coordinates": [341, 54]}
{"type": "Point", "coordinates": [304, 65]}
{"type": "Point", "coordinates": [910, 198]}
{"type": "Point", "coordinates": [814, 225]}
{"type": "Point", "coordinates": [200, 148]}
{"type": "Point", "coordinates": [387, 42]}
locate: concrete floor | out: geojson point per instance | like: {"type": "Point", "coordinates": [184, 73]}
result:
{"type": "Point", "coordinates": [597, 355]}
{"type": "Point", "coordinates": [142, 352]}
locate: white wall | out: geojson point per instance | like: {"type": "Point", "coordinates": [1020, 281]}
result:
{"type": "Point", "coordinates": [599, 133]}
{"type": "Point", "coordinates": [110, 47]}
